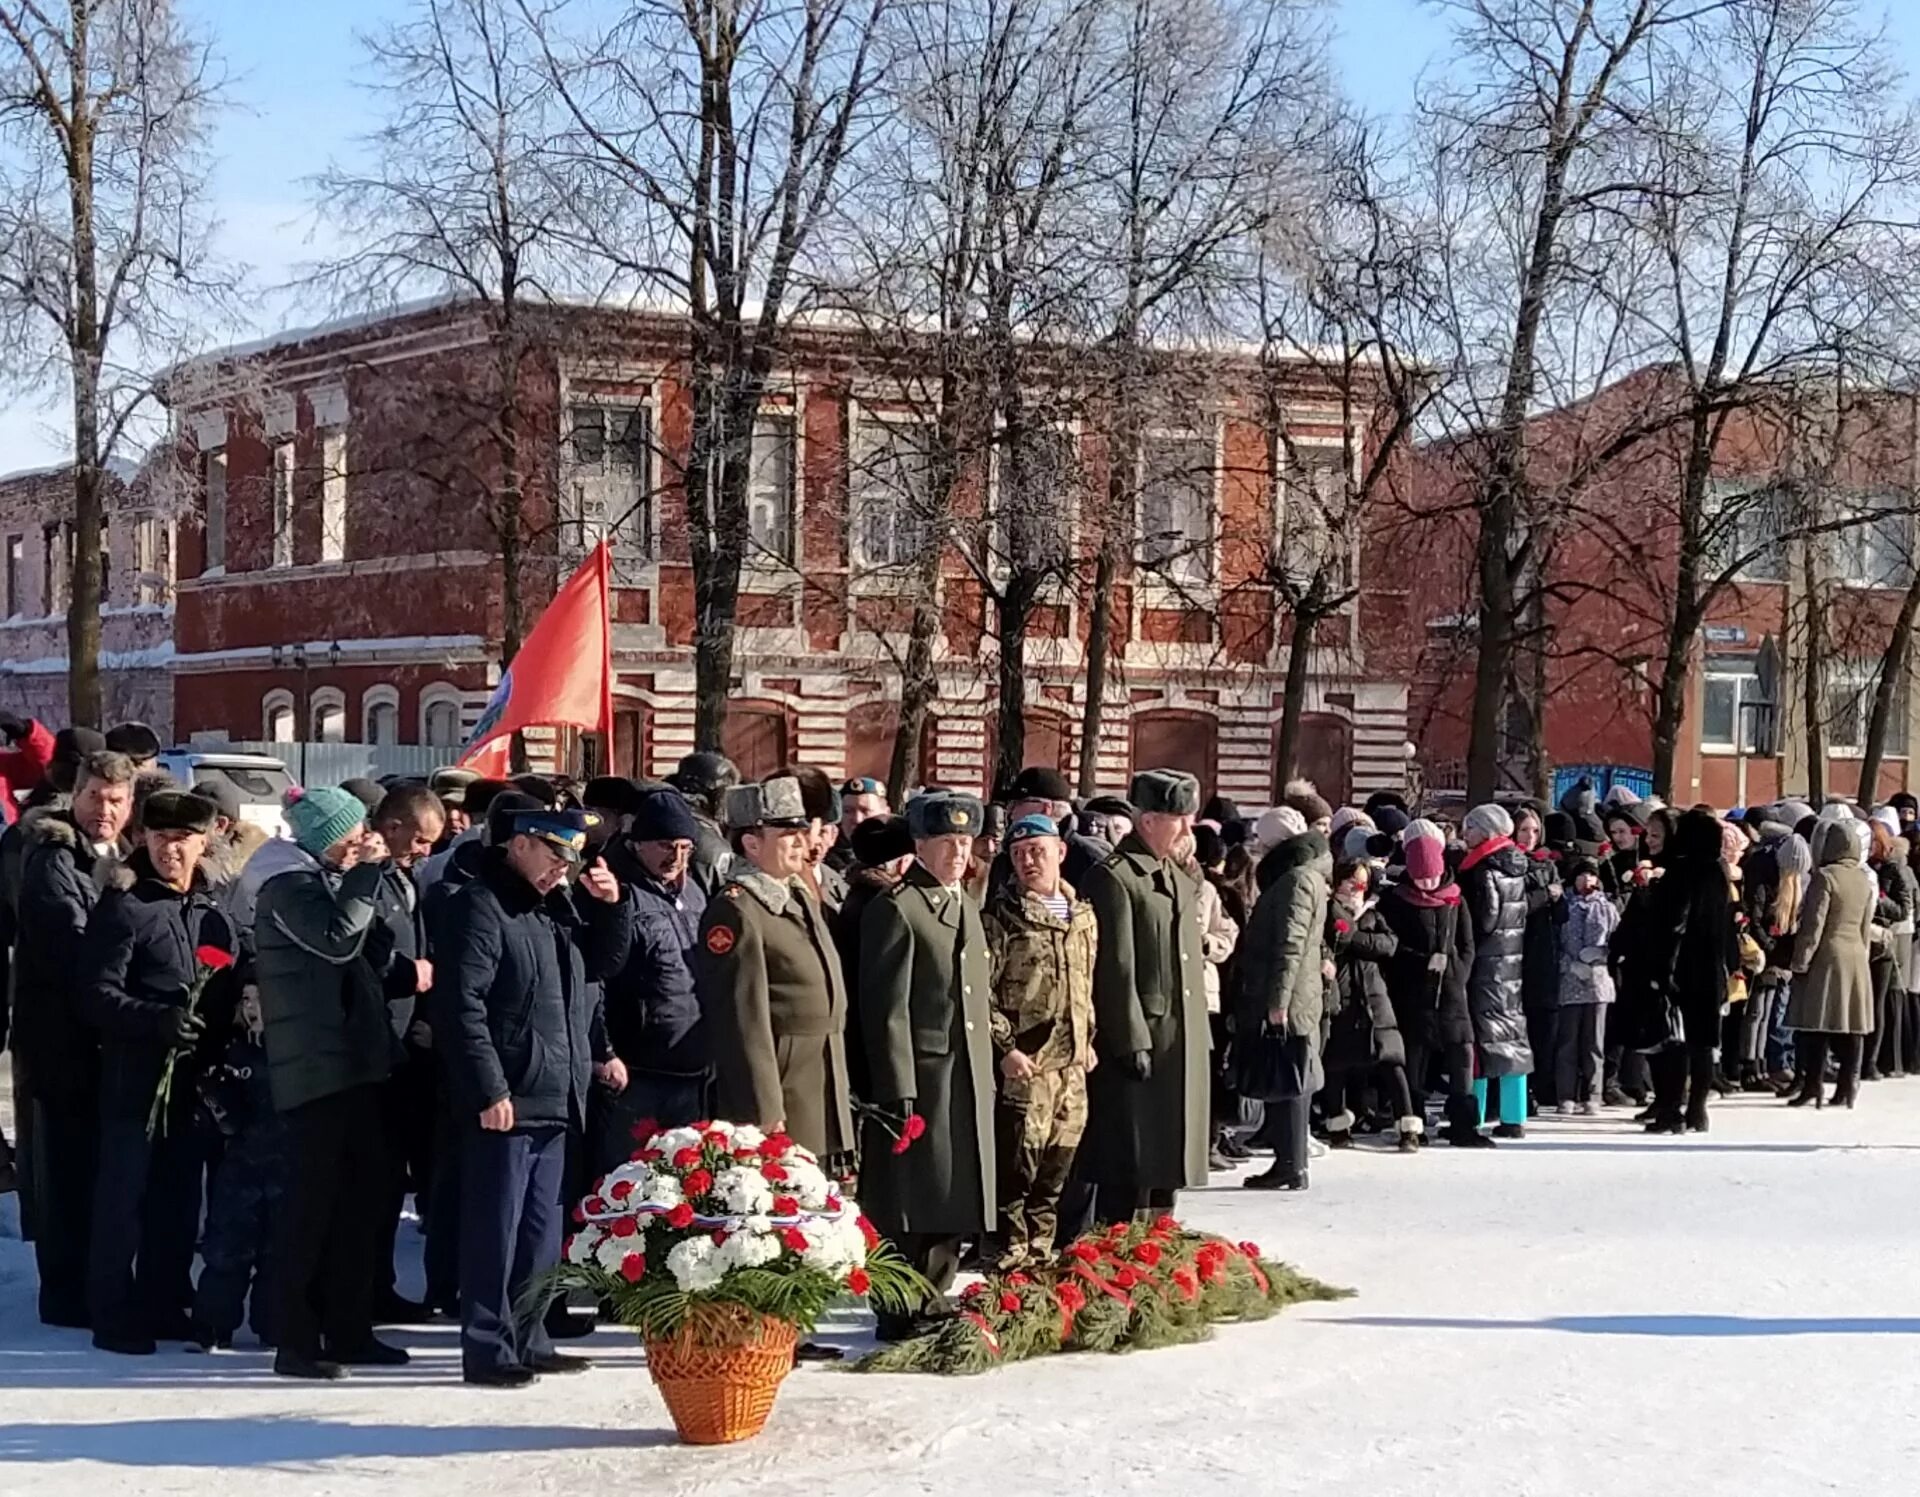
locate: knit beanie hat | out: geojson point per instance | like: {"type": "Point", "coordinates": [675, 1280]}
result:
{"type": "Point", "coordinates": [321, 817]}
{"type": "Point", "coordinates": [1345, 817]}
{"type": "Point", "coordinates": [1793, 855]}
{"type": "Point", "coordinates": [1392, 820]}
{"type": "Point", "coordinates": [1278, 825]}
{"type": "Point", "coordinates": [1426, 850]}
{"type": "Point", "coordinates": [1311, 805]}
{"type": "Point", "coordinates": [1484, 822]}
{"type": "Point", "coordinates": [1733, 844]}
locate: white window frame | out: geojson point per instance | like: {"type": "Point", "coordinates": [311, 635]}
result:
{"type": "Point", "coordinates": [15, 561]}
{"type": "Point", "coordinates": [375, 699]}
{"type": "Point", "coordinates": [1861, 676]}
{"type": "Point", "coordinates": [869, 575]}
{"type": "Point", "coordinates": [152, 559]}
{"type": "Point", "coordinates": [274, 703]}
{"type": "Point", "coordinates": [579, 534]}
{"type": "Point", "coordinates": [1287, 488]}
{"type": "Point", "coordinates": [999, 537]}
{"type": "Point", "coordinates": [441, 695]}
{"type": "Point", "coordinates": [1861, 542]}
{"type": "Point", "coordinates": [1746, 679]}
{"type": "Point", "coordinates": [322, 702]}
{"type": "Point", "coordinates": [1159, 583]}
{"type": "Point", "coordinates": [213, 484]}
{"type": "Point", "coordinates": [1752, 497]}
{"type": "Point", "coordinates": [281, 483]}
{"type": "Point", "coordinates": [332, 443]}
{"type": "Point", "coordinates": [757, 559]}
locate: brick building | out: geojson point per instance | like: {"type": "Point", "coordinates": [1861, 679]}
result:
{"type": "Point", "coordinates": [1612, 574]}
{"type": "Point", "coordinates": [136, 585]}
{"type": "Point", "coordinates": [338, 576]}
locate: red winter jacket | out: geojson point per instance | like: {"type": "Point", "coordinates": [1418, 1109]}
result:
{"type": "Point", "coordinates": [22, 767]}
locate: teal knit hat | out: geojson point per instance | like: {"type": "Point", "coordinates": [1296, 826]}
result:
{"type": "Point", "coordinates": [319, 818]}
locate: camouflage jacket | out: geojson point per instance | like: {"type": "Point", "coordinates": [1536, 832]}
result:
{"type": "Point", "coordinates": [1042, 977]}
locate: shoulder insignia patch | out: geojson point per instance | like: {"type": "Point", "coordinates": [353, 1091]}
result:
{"type": "Point", "coordinates": [720, 940]}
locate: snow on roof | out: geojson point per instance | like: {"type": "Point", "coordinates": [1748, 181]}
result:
{"type": "Point", "coordinates": [123, 468]}
{"type": "Point", "coordinates": [291, 337]}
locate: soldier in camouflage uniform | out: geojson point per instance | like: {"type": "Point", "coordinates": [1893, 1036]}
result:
{"type": "Point", "coordinates": [1043, 940]}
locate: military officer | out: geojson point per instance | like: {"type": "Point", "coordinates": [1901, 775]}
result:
{"type": "Point", "coordinates": [1043, 937]}
{"type": "Point", "coordinates": [770, 982]}
{"type": "Point", "coordinates": [1147, 1122]}
{"type": "Point", "coordinates": [926, 1020]}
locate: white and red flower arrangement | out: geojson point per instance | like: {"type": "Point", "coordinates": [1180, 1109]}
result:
{"type": "Point", "coordinates": [720, 1214]}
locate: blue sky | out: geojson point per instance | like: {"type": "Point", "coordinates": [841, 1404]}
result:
{"type": "Point", "coordinates": [294, 64]}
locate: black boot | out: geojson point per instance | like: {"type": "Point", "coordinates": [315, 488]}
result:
{"type": "Point", "coordinates": [1697, 1118]}
{"type": "Point", "coordinates": [1276, 1178]}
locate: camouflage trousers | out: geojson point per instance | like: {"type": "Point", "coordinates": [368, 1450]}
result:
{"type": "Point", "coordinates": [1039, 1122]}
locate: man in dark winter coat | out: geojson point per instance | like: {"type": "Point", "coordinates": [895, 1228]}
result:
{"type": "Point", "coordinates": [68, 854]}
{"type": "Point", "coordinates": [155, 937]}
{"type": "Point", "coordinates": [704, 779]}
{"type": "Point", "coordinates": [883, 849]}
{"type": "Point", "coordinates": [653, 1007]}
{"type": "Point", "coordinates": [522, 1042]}
{"type": "Point", "coordinates": [1148, 1102]}
{"type": "Point", "coordinates": [1040, 791]}
{"type": "Point", "coordinates": [1493, 879]}
{"type": "Point", "coordinates": [926, 1022]}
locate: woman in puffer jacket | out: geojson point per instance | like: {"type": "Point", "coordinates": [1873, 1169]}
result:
{"type": "Point", "coordinates": [1890, 956]}
{"type": "Point", "coordinates": [1493, 880]}
{"type": "Point", "coordinates": [1427, 979]}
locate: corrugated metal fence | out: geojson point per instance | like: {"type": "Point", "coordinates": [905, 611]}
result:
{"type": "Point", "coordinates": [330, 763]}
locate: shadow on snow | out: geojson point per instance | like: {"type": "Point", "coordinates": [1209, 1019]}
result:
{"type": "Point", "coordinates": [293, 1441]}
{"type": "Point", "coordinates": [1652, 1325]}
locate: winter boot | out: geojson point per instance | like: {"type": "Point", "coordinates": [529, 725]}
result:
{"type": "Point", "coordinates": [1413, 1133]}
{"type": "Point", "coordinates": [1509, 1130]}
{"type": "Point", "coordinates": [1276, 1179]}
{"type": "Point", "coordinates": [1340, 1131]}
{"type": "Point", "coordinates": [1463, 1124]}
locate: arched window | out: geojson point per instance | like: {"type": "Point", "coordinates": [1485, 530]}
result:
{"type": "Point", "coordinates": [758, 738]}
{"type": "Point", "coordinates": [276, 717]}
{"type": "Point", "coordinates": [440, 716]}
{"type": "Point", "coordinates": [1044, 743]}
{"type": "Point", "coordinates": [327, 715]}
{"type": "Point", "coordinates": [1173, 738]}
{"type": "Point", "coordinates": [380, 715]}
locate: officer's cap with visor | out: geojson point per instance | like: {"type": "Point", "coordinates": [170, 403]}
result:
{"type": "Point", "coordinates": [516, 815]}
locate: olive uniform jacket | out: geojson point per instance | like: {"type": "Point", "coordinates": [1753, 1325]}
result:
{"type": "Point", "coordinates": [1042, 979]}
{"type": "Point", "coordinates": [1149, 994]}
{"type": "Point", "coordinates": [776, 1011]}
{"type": "Point", "coordinates": [927, 1021]}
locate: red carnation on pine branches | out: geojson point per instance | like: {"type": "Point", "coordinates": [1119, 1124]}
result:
{"type": "Point", "coordinates": [1147, 1253]}
{"type": "Point", "coordinates": [1186, 1283]}
{"type": "Point", "coordinates": [632, 1266]}
{"type": "Point", "coordinates": [680, 1217]}
{"type": "Point", "coordinates": [1164, 1225]}
{"type": "Point", "coordinates": [1250, 1250]}
{"type": "Point", "coordinates": [858, 1282]}
{"type": "Point", "coordinates": [697, 1182]}
{"type": "Point", "coordinates": [1010, 1302]}
{"type": "Point", "coordinates": [1069, 1298]}
{"type": "Point", "coordinates": [213, 958]}
{"type": "Point", "coordinates": [1018, 1280]}
{"type": "Point", "coordinates": [1086, 1252]}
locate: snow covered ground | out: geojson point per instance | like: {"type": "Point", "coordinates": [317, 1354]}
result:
{"type": "Point", "coordinates": [1590, 1311]}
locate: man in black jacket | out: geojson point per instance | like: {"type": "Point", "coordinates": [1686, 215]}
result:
{"type": "Point", "coordinates": [522, 1040]}
{"type": "Point", "coordinates": [66, 853]}
{"type": "Point", "coordinates": [156, 948]}
{"type": "Point", "coordinates": [653, 1011]}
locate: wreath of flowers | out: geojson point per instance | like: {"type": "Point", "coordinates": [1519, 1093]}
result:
{"type": "Point", "coordinates": [1134, 1286]}
{"type": "Point", "coordinates": [719, 1214]}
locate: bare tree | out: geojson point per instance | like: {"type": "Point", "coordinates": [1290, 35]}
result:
{"type": "Point", "coordinates": [720, 135]}
{"type": "Point", "coordinates": [104, 237]}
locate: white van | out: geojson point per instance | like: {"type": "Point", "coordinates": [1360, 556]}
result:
{"type": "Point", "coordinates": [261, 781]}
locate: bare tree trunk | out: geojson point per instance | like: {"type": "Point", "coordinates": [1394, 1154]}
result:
{"type": "Point", "coordinates": [1539, 762]}
{"type": "Point", "coordinates": [1893, 669]}
{"type": "Point", "coordinates": [1670, 705]}
{"type": "Point", "coordinates": [1813, 677]}
{"type": "Point", "coordinates": [918, 682]}
{"type": "Point", "coordinates": [1293, 695]}
{"type": "Point", "coordinates": [83, 597]}
{"type": "Point", "coordinates": [1490, 670]}
{"type": "Point", "coordinates": [1106, 570]}
{"type": "Point", "coordinates": [1010, 741]}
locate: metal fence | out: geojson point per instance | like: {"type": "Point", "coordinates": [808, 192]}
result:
{"type": "Point", "coordinates": [330, 763]}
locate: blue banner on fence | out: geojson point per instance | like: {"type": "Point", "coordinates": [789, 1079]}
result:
{"type": "Point", "coordinates": [1603, 777]}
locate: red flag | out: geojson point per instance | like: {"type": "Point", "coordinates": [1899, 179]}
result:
{"type": "Point", "coordinates": [563, 674]}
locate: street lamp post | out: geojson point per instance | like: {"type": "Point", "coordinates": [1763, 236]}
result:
{"type": "Point", "coordinates": [296, 656]}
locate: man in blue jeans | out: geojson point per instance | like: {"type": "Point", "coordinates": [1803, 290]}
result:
{"type": "Point", "coordinates": [523, 1037]}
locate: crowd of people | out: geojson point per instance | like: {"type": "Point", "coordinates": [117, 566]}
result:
{"type": "Point", "coordinates": [1005, 1021]}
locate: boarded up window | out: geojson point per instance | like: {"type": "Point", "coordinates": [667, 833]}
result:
{"type": "Point", "coordinates": [1170, 738]}
{"type": "Point", "coordinates": [756, 739]}
{"type": "Point", "coordinates": [1047, 741]}
{"type": "Point", "coordinates": [1325, 757]}
{"type": "Point", "coordinates": [871, 728]}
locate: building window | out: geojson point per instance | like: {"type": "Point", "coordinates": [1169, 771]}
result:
{"type": "Point", "coordinates": [770, 493]}
{"type": "Point", "coordinates": [380, 715]}
{"type": "Point", "coordinates": [276, 717]}
{"type": "Point", "coordinates": [610, 448]}
{"type": "Point", "coordinates": [213, 479]}
{"type": "Point", "coordinates": [1324, 756]}
{"type": "Point", "coordinates": [1877, 551]}
{"type": "Point", "coordinates": [1170, 738]}
{"type": "Point", "coordinates": [440, 717]}
{"type": "Point", "coordinates": [152, 560]}
{"type": "Point", "coordinates": [1743, 531]}
{"type": "Point", "coordinates": [106, 567]}
{"type": "Point", "coordinates": [327, 716]}
{"type": "Point", "coordinates": [1311, 517]}
{"type": "Point", "coordinates": [56, 561]}
{"type": "Point", "coordinates": [757, 739]}
{"type": "Point", "coordinates": [891, 486]}
{"type": "Point", "coordinates": [1033, 500]}
{"type": "Point", "coordinates": [16, 563]}
{"type": "Point", "coordinates": [283, 504]}
{"type": "Point", "coordinates": [1849, 705]}
{"type": "Point", "coordinates": [1727, 688]}
{"type": "Point", "coordinates": [333, 495]}
{"type": "Point", "coordinates": [1176, 507]}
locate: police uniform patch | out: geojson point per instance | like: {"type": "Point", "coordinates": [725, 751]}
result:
{"type": "Point", "coordinates": [720, 940]}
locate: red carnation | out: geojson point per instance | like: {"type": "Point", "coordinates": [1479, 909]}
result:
{"type": "Point", "coordinates": [973, 1292]}
{"type": "Point", "coordinates": [1070, 1299]}
{"type": "Point", "coordinates": [744, 1156]}
{"type": "Point", "coordinates": [624, 1226]}
{"type": "Point", "coordinates": [1147, 1253]}
{"type": "Point", "coordinates": [1185, 1282]}
{"type": "Point", "coordinates": [834, 1203]}
{"type": "Point", "coordinates": [720, 1235]}
{"type": "Point", "coordinates": [697, 1182]}
{"type": "Point", "coordinates": [858, 1282]}
{"type": "Point", "coordinates": [595, 1206]}
{"type": "Point", "coordinates": [1250, 1249]}
{"type": "Point", "coordinates": [580, 1215]}
{"type": "Point", "coordinates": [651, 1156]}
{"type": "Point", "coordinates": [916, 1126]}
{"type": "Point", "coordinates": [1086, 1252]}
{"type": "Point", "coordinates": [1118, 1230]}
{"type": "Point", "coordinates": [644, 1130]}
{"type": "Point", "coordinates": [775, 1173]}
{"type": "Point", "coordinates": [1166, 1224]}
{"type": "Point", "coordinates": [718, 1139]}
{"type": "Point", "coordinates": [686, 1159]}
{"type": "Point", "coordinates": [775, 1145]}
{"type": "Point", "coordinates": [1125, 1277]}
{"type": "Point", "coordinates": [868, 1231]}
{"type": "Point", "coordinates": [1010, 1302]}
{"type": "Point", "coordinates": [1018, 1280]}
{"type": "Point", "coordinates": [795, 1239]}
{"type": "Point", "coordinates": [1340, 926]}
{"type": "Point", "coordinates": [632, 1266]}
{"type": "Point", "coordinates": [785, 1206]}
{"type": "Point", "coordinates": [902, 1143]}
{"type": "Point", "coordinates": [213, 958]}
{"type": "Point", "coordinates": [621, 1189]}
{"type": "Point", "coordinates": [680, 1217]}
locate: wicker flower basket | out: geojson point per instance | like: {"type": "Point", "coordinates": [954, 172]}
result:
{"type": "Point", "coordinates": [720, 1379]}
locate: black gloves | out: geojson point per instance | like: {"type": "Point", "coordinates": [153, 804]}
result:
{"type": "Point", "coordinates": [182, 1030]}
{"type": "Point", "coordinates": [1138, 1065]}
{"type": "Point", "coordinates": [13, 727]}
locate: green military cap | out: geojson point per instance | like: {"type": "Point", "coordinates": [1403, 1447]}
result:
{"type": "Point", "coordinates": [776, 802]}
{"type": "Point", "coordinates": [945, 813]}
{"type": "Point", "coordinates": [1168, 791]}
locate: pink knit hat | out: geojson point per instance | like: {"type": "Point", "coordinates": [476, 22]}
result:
{"type": "Point", "coordinates": [1426, 849]}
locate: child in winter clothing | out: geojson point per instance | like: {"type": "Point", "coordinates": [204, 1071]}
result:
{"type": "Point", "coordinates": [1586, 988]}
{"type": "Point", "coordinates": [1363, 1035]}
{"type": "Point", "coordinates": [236, 1102]}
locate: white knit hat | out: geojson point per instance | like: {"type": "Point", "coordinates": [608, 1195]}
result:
{"type": "Point", "coordinates": [1278, 825]}
{"type": "Point", "coordinates": [1487, 821]}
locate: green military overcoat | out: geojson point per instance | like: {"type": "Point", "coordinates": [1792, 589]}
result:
{"type": "Point", "coordinates": [775, 1005]}
{"type": "Point", "coordinates": [1149, 994]}
{"type": "Point", "coordinates": [926, 1017]}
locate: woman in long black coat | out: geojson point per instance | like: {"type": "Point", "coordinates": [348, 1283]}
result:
{"type": "Point", "coordinates": [1540, 967]}
{"type": "Point", "coordinates": [1427, 979]}
{"type": "Point", "coordinates": [1493, 880]}
{"type": "Point", "coordinates": [1363, 1036]}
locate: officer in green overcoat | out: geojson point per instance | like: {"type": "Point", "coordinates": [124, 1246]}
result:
{"type": "Point", "coordinates": [926, 1017]}
{"type": "Point", "coordinates": [1147, 1103]}
{"type": "Point", "coordinates": [770, 982]}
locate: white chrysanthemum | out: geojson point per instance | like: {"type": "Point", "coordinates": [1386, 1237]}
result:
{"type": "Point", "coordinates": [745, 1191]}
{"type": "Point", "coordinates": [612, 1251]}
{"type": "Point", "coordinates": [674, 1140]}
{"type": "Point", "coordinates": [825, 1248]}
{"type": "Point", "coordinates": [693, 1265]}
{"type": "Point", "coordinates": [661, 1190]}
{"type": "Point", "coordinates": [797, 1155]}
{"type": "Point", "coordinates": [581, 1249]}
{"type": "Point", "coordinates": [853, 1242]}
{"type": "Point", "coordinates": [760, 1226]}
{"type": "Point", "coordinates": [746, 1250]}
{"type": "Point", "coordinates": [808, 1184]}
{"type": "Point", "coordinates": [746, 1136]}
